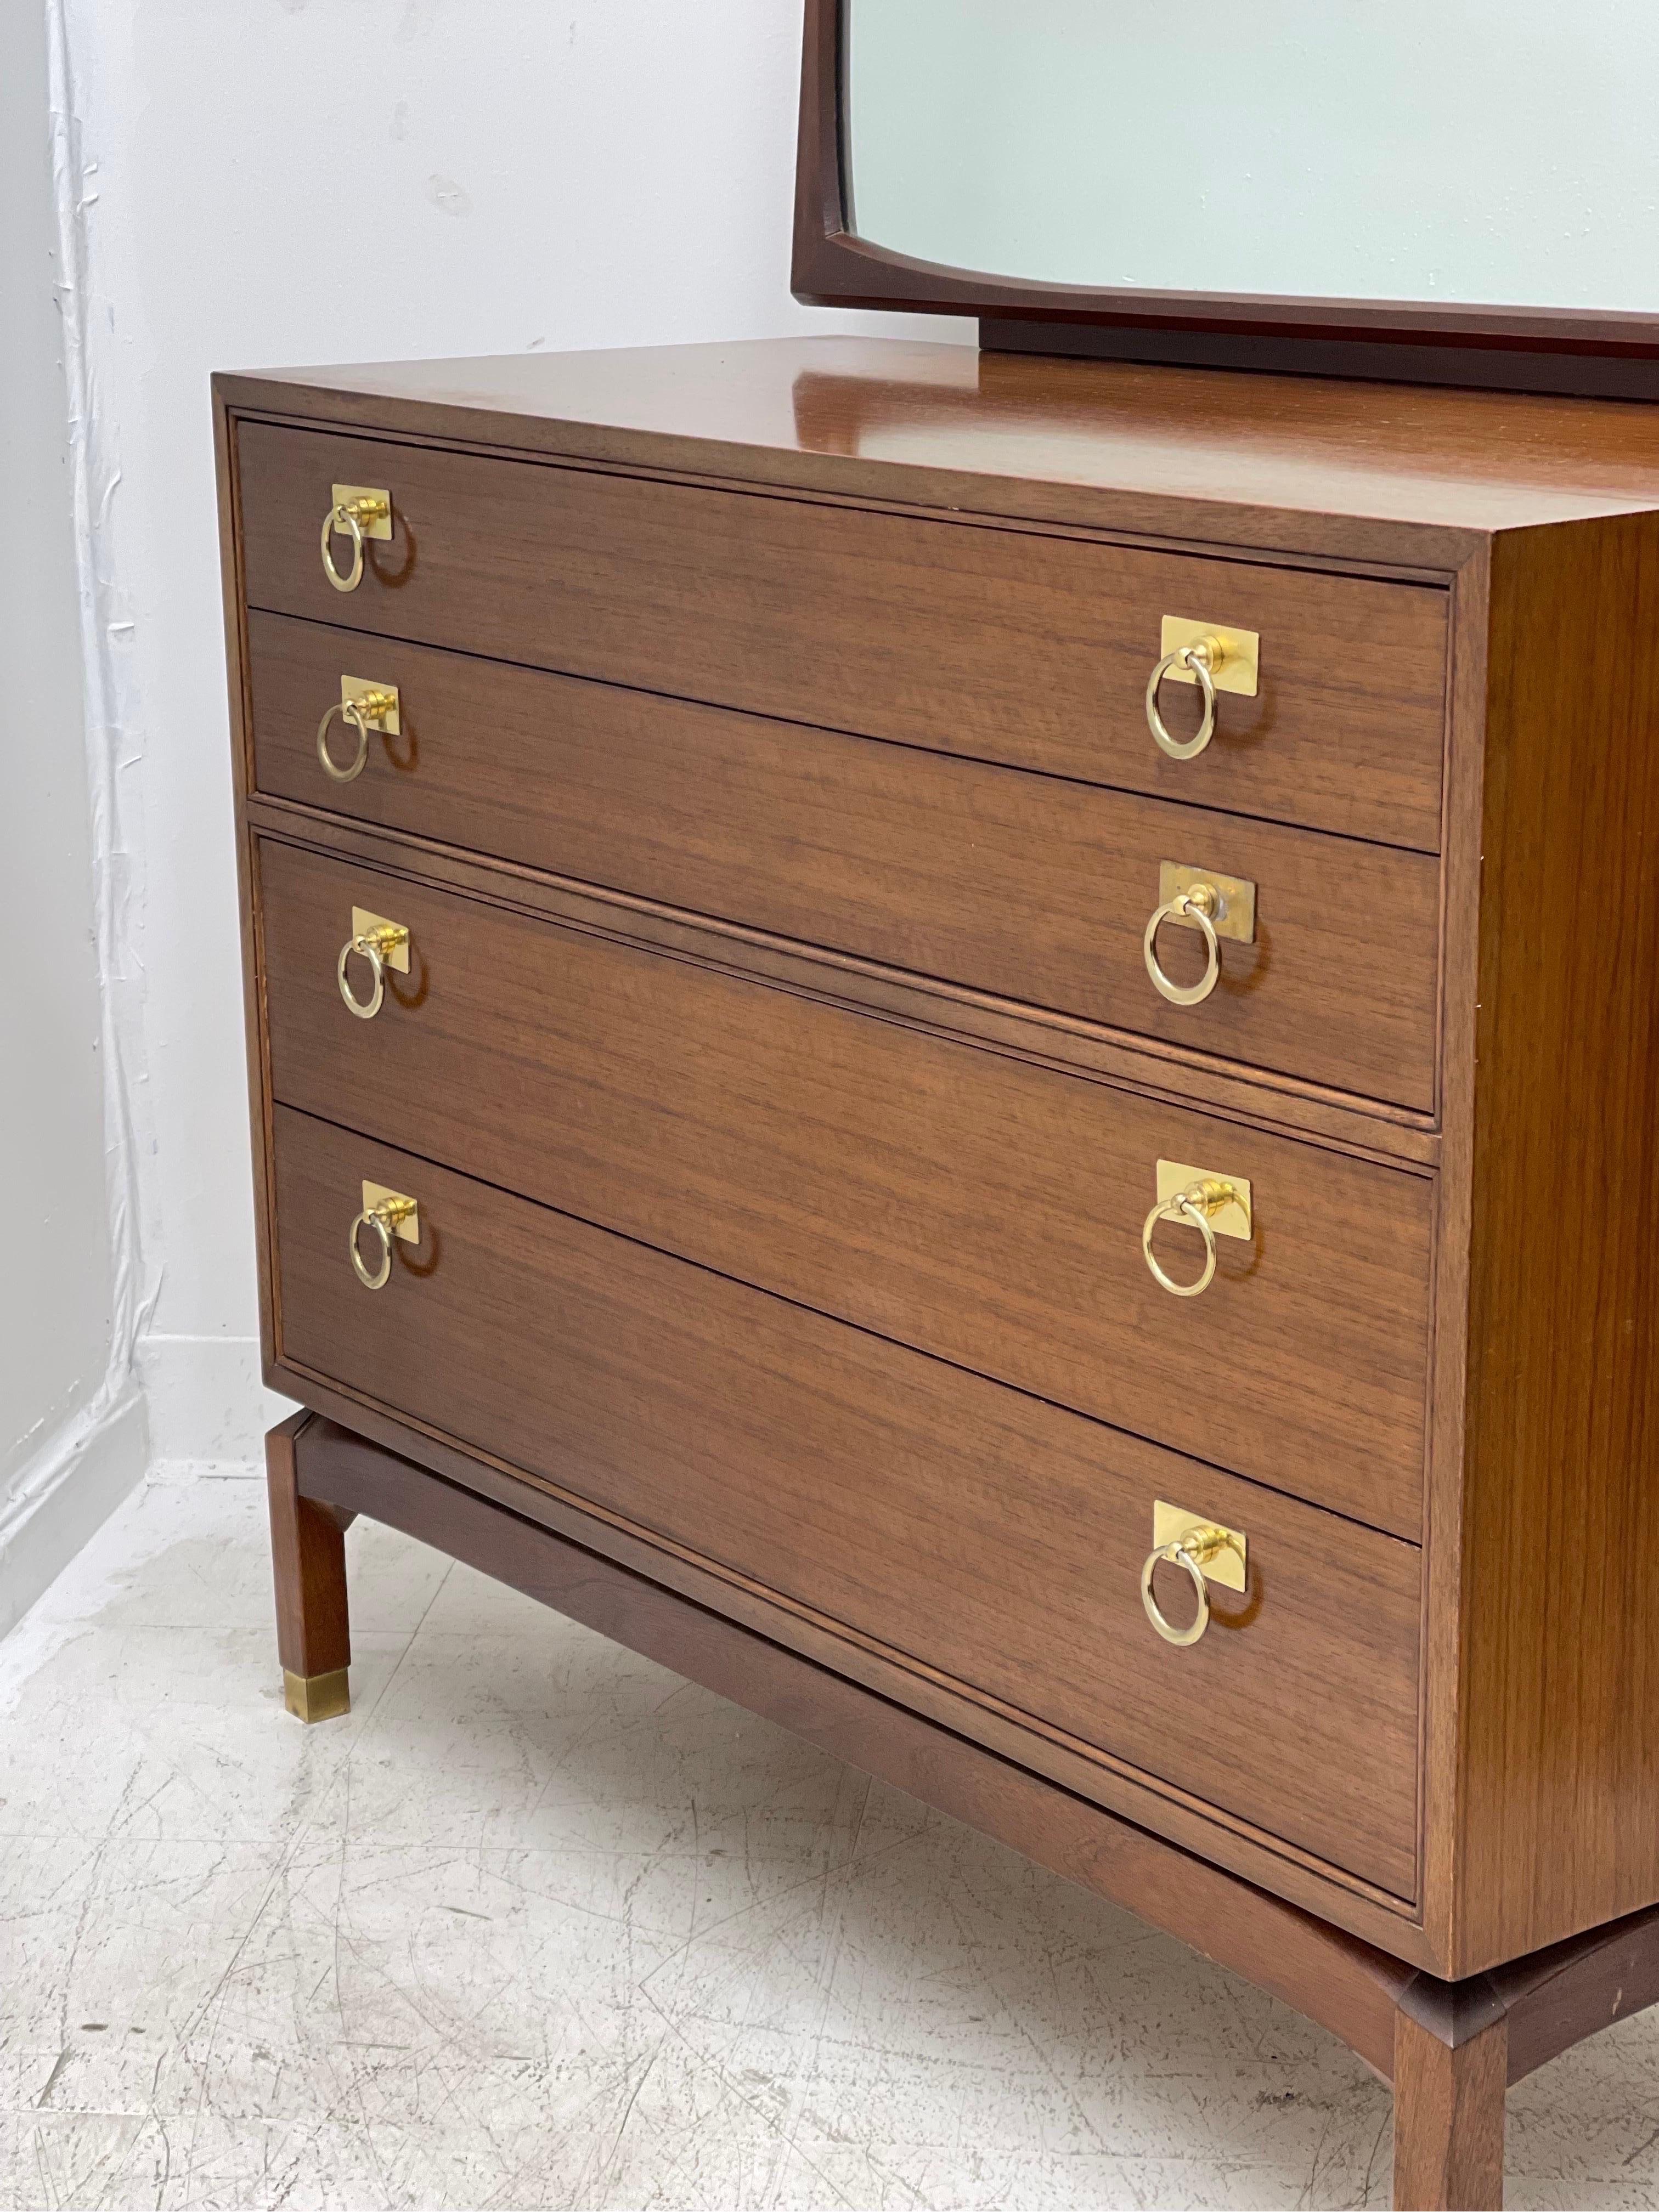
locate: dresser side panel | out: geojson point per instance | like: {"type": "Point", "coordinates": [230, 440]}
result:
{"type": "Point", "coordinates": [229, 489]}
{"type": "Point", "coordinates": [1559, 1826]}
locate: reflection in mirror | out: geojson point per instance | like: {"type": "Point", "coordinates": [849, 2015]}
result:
{"type": "Point", "coordinates": [1500, 152]}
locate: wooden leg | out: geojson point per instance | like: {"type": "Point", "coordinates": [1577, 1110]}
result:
{"type": "Point", "coordinates": [307, 1550]}
{"type": "Point", "coordinates": [1451, 2071]}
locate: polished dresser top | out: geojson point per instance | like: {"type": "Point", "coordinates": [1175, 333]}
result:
{"type": "Point", "coordinates": [1191, 452]}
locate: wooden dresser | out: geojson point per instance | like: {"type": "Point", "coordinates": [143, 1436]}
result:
{"type": "Point", "coordinates": [967, 1043]}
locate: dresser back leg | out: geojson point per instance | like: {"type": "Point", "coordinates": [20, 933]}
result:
{"type": "Point", "coordinates": [307, 1550]}
{"type": "Point", "coordinates": [1451, 2071]}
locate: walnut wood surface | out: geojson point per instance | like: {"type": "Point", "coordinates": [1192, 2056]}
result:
{"type": "Point", "coordinates": [1250, 1097]}
{"type": "Point", "coordinates": [1032, 650]}
{"type": "Point", "coordinates": [1339, 1899]}
{"type": "Point", "coordinates": [1030, 887]}
{"type": "Point", "coordinates": [307, 1550]}
{"type": "Point", "coordinates": [1347, 1986]}
{"type": "Point", "coordinates": [1449, 2083]}
{"type": "Point", "coordinates": [1312, 467]}
{"type": "Point", "coordinates": [969, 1205]}
{"type": "Point", "coordinates": [1555, 1066]}
{"type": "Point", "coordinates": [997, 1538]}
{"type": "Point", "coordinates": [1556, 1998]}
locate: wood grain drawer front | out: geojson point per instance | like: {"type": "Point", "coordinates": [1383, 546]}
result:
{"type": "Point", "coordinates": [1006, 645]}
{"type": "Point", "coordinates": [1026, 886]}
{"type": "Point", "coordinates": [972, 1205]}
{"type": "Point", "coordinates": [995, 1539]}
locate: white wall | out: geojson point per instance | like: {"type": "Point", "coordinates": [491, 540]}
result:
{"type": "Point", "coordinates": [71, 1432]}
{"type": "Point", "coordinates": [282, 181]}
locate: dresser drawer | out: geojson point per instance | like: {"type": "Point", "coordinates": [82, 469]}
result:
{"type": "Point", "coordinates": [1027, 886]}
{"type": "Point", "coordinates": [997, 1538]}
{"type": "Point", "coordinates": [1006, 645]}
{"type": "Point", "coordinates": [971, 1204]}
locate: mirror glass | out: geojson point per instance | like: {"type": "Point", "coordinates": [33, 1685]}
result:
{"type": "Point", "coordinates": [1491, 152]}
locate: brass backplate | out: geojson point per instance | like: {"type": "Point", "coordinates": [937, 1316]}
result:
{"type": "Point", "coordinates": [1236, 917]}
{"type": "Point", "coordinates": [381, 526]}
{"type": "Point", "coordinates": [364, 924]}
{"type": "Point", "coordinates": [389, 719]}
{"type": "Point", "coordinates": [1234, 1220]}
{"type": "Point", "coordinates": [1227, 1565]}
{"type": "Point", "coordinates": [409, 1228]}
{"type": "Point", "coordinates": [1241, 669]}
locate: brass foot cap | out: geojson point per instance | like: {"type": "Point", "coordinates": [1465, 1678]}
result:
{"type": "Point", "coordinates": [317, 1697]}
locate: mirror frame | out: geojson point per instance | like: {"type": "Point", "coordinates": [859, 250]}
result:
{"type": "Point", "coordinates": [1562, 350]}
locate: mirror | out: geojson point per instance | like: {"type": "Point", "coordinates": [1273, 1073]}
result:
{"type": "Point", "coordinates": [1491, 152]}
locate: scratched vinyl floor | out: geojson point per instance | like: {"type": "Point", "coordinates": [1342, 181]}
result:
{"type": "Point", "coordinates": [540, 1924]}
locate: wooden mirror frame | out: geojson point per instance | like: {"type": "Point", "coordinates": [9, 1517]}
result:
{"type": "Point", "coordinates": [1566, 349]}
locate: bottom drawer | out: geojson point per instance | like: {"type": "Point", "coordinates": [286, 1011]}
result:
{"type": "Point", "coordinates": [995, 1538]}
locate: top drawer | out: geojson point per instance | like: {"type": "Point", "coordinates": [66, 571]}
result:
{"type": "Point", "coordinates": [1000, 644]}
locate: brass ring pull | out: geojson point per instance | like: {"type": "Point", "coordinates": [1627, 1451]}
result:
{"type": "Point", "coordinates": [1205, 1553]}
{"type": "Point", "coordinates": [1184, 1553]}
{"type": "Point", "coordinates": [372, 1219]}
{"type": "Point", "coordinates": [349, 516]}
{"type": "Point", "coordinates": [1202, 661]}
{"type": "Point", "coordinates": [341, 518]}
{"type": "Point", "coordinates": [1198, 905]}
{"type": "Point", "coordinates": [366, 707]}
{"type": "Point", "coordinates": [366, 949]}
{"type": "Point", "coordinates": [377, 946]}
{"type": "Point", "coordinates": [349, 710]}
{"type": "Point", "coordinates": [1195, 1204]}
{"type": "Point", "coordinates": [383, 1218]}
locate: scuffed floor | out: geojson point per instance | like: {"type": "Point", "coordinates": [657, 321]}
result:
{"type": "Point", "coordinates": [541, 1925]}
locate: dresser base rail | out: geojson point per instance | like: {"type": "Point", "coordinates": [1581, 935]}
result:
{"type": "Point", "coordinates": [1450, 2049]}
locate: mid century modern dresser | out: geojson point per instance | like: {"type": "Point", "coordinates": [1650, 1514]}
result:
{"type": "Point", "coordinates": [967, 1043]}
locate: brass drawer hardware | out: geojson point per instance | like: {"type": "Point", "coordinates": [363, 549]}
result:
{"type": "Point", "coordinates": [389, 1213]}
{"type": "Point", "coordinates": [358, 511]}
{"type": "Point", "coordinates": [1205, 1551]}
{"type": "Point", "coordinates": [317, 1697]}
{"type": "Point", "coordinates": [1216, 1205]}
{"type": "Point", "coordinates": [367, 706]}
{"type": "Point", "coordinates": [384, 944]}
{"type": "Point", "coordinates": [1214, 659]}
{"type": "Point", "coordinates": [1218, 905]}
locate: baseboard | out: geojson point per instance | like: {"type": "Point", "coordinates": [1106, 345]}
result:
{"type": "Point", "coordinates": [208, 1401]}
{"type": "Point", "coordinates": [64, 1506]}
